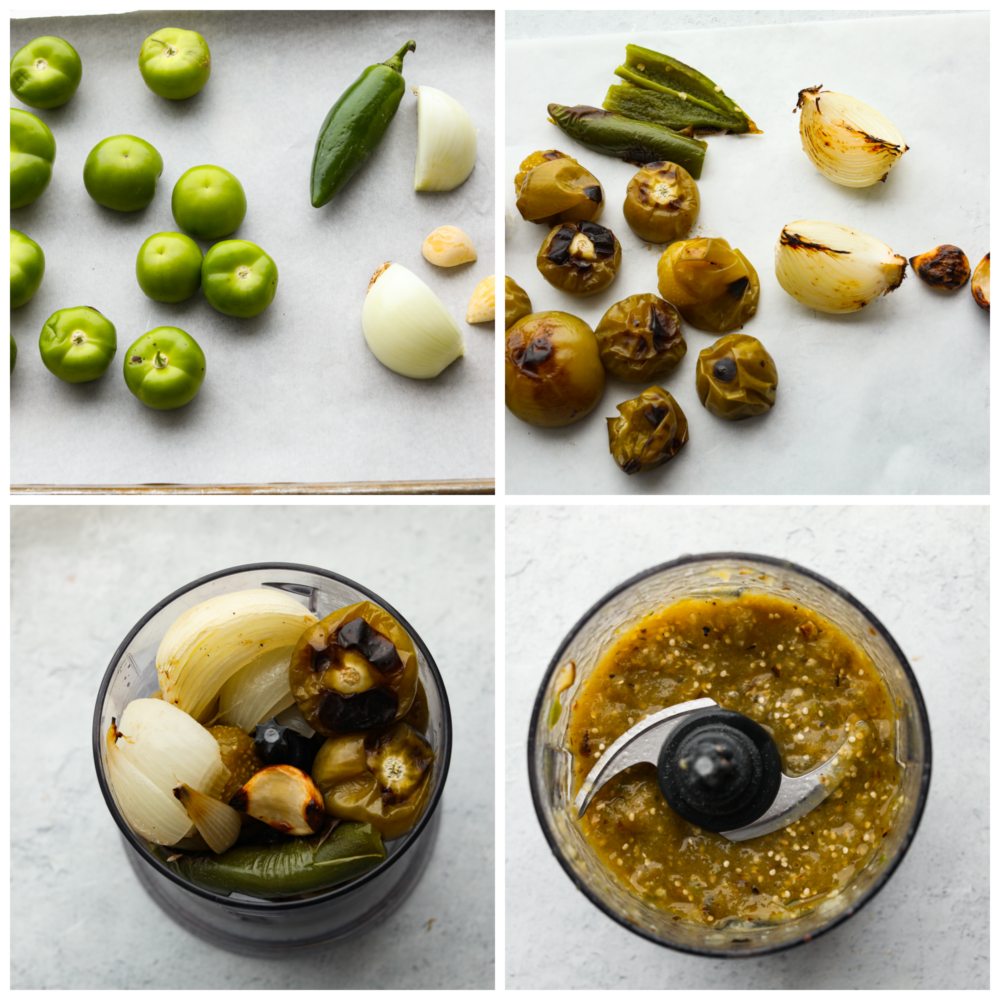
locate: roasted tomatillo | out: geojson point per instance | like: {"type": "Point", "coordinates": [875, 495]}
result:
{"type": "Point", "coordinates": [380, 778]}
{"type": "Point", "coordinates": [516, 302]}
{"type": "Point", "coordinates": [652, 428]}
{"type": "Point", "coordinates": [580, 258]}
{"type": "Point", "coordinates": [552, 187]}
{"type": "Point", "coordinates": [45, 73]}
{"type": "Point", "coordinates": [165, 368]}
{"type": "Point", "coordinates": [27, 266]}
{"type": "Point", "coordinates": [553, 373]}
{"type": "Point", "coordinates": [736, 378]}
{"type": "Point", "coordinates": [175, 63]}
{"type": "Point", "coordinates": [661, 203]}
{"type": "Point", "coordinates": [32, 153]}
{"type": "Point", "coordinates": [640, 338]}
{"type": "Point", "coordinates": [77, 345]}
{"type": "Point", "coordinates": [121, 173]}
{"type": "Point", "coordinates": [238, 278]}
{"type": "Point", "coordinates": [354, 670]}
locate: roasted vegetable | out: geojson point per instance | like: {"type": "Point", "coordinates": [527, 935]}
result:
{"type": "Point", "coordinates": [714, 287]}
{"type": "Point", "coordinates": [580, 258]}
{"type": "Point", "coordinates": [290, 868]}
{"type": "Point", "coordinates": [380, 779]}
{"type": "Point", "coordinates": [553, 373]}
{"type": "Point", "coordinates": [552, 187]}
{"type": "Point", "coordinates": [943, 267]}
{"type": "Point", "coordinates": [238, 756]}
{"type": "Point", "coordinates": [652, 428]}
{"type": "Point", "coordinates": [736, 378]}
{"type": "Point", "coordinates": [278, 744]}
{"type": "Point", "coordinates": [516, 302]}
{"type": "Point", "coordinates": [981, 284]}
{"type": "Point", "coordinates": [283, 797]}
{"type": "Point", "coordinates": [633, 141]}
{"type": "Point", "coordinates": [640, 338]}
{"type": "Point", "coordinates": [661, 203]}
{"type": "Point", "coordinates": [354, 670]}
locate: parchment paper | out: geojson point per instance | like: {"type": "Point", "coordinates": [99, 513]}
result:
{"type": "Point", "coordinates": [892, 399]}
{"type": "Point", "coordinates": [293, 395]}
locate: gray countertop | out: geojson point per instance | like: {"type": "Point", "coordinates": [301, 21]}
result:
{"type": "Point", "coordinates": [924, 573]}
{"type": "Point", "coordinates": [84, 576]}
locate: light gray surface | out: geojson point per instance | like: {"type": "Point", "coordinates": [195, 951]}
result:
{"type": "Point", "coordinates": [855, 391]}
{"type": "Point", "coordinates": [84, 576]}
{"type": "Point", "coordinates": [923, 572]}
{"type": "Point", "coordinates": [292, 395]}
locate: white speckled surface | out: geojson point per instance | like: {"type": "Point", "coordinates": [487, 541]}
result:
{"type": "Point", "coordinates": [83, 576]}
{"type": "Point", "coordinates": [921, 570]}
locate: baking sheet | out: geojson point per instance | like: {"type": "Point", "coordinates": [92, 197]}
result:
{"type": "Point", "coordinates": [293, 395]}
{"type": "Point", "coordinates": [892, 399]}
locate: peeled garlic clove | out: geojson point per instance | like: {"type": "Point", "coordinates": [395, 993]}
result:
{"type": "Point", "coordinates": [283, 797]}
{"type": "Point", "coordinates": [407, 327]}
{"type": "Point", "coordinates": [981, 284]}
{"type": "Point", "coordinates": [850, 142]}
{"type": "Point", "coordinates": [446, 142]}
{"type": "Point", "coordinates": [833, 268]}
{"type": "Point", "coordinates": [482, 305]}
{"type": "Point", "coordinates": [943, 267]}
{"type": "Point", "coordinates": [448, 246]}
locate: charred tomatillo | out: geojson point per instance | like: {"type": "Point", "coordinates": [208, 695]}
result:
{"type": "Point", "coordinates": [32, 153]}
{"type": "Point", "coordinates": [165, 368]}
{"type": "Point", "coordinates": [168, 267]}
{"type": "Point", "coordinates": [27, 265]}
{"type": "Point", "coordinates": [175, 63]}
{"type": "Point", "coordinates": [121, 173]}
{"type": "Point", "coordinates": [208, 202]}
{"type": "Point", "coordinates": [45, 73]}
{"type": "Point", "coordinates": [238, 278]}
{"type": "Point", "coordinates": [78, 344]}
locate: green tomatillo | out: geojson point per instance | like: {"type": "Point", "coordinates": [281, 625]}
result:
{"type": "Point", "coordinates": [78, 344]}
{"type": "Point", "coordinates": [168, 267]}
{"type": "Point", "coordinates": [238, 278]}
{"type": "Point", "coordinates": [45, 73]}
{"type": "Point", "coordinates": [121, 173]}
{"type": "Point", "coordinates": [175, 63]}
{"type": "Point", "coordinates": [27, 265]}
{"type": "Point", "coordinates": [208, 202]}
{"type": "Point", "coordinates": [165, 368]}
{"type": "Point", "coordinates": [32, 153]}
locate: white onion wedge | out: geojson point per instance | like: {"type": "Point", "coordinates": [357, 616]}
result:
{"type": "Point", "coordinates": [218, 823]}
{"type": "Point", "coordinates": [258, 691]}
{"type": "Point", "coordinates": [446, 142]}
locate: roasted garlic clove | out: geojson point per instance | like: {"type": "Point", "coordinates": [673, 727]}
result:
{"type": "Point", "coordinates": [943, 267]}
{"type": "Point", "coordinates": [283, 797]}
{"type": "Point", "coordinates": [448, 246]}
{"type": "Point", "coordinates": [981, 284]}
{"type": "Point", "coordinates": [482, 305]}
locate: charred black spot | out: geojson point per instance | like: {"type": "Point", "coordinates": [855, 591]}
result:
{"type": "Point", "coordinates": [738, 287]}
{"type": "Point", "coordinates": [631, 466]}
{"type": "Point", "coordinates": [656, 414]}
{"type": "Point", "coordinates": [538, 350]}
{"type": "Point", "coordinates": [371, 644]}
{"type": "Point", "coordinates": [348, 713]}
{"type": "Point", "coordinates": [663, 337]}
{"type": "Point", "coordinates": [791, 240]}
{"type": "Point", "coordinates": [594, 193]}
{"type": "Point", "coordinates": [558, 251]}
{"type": "Point", "coordinates": [724, 370]}
{"type": "Point", "coordinates": [603, 239]}
{"type": "Point", "coordinates": [322, 659]}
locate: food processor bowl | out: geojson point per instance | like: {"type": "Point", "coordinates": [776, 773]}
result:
{"type": "Point", "coordinates": [239, 923]}
{"type": "Point", "coordinates": [550, 762]}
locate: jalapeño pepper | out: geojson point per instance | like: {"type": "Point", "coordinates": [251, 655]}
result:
{"type": "Point", "coordinates": [356, 125]}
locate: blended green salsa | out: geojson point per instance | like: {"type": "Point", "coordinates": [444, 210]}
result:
{"type": "Point", "coordinates": [802, 679]}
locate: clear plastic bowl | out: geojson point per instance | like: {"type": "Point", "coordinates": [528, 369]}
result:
{"type": "Point", "coordinates": [550, 769]}
{"type": "Point", "coordinates": [241, 923]}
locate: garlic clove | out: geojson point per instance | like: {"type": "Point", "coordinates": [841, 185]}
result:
{"type": "Point", "coordinates": [833, 268]}
{"type": "Point", "coordinates": [448, 246]}
{"type": "Point", "coordinates": [850, 142]}
{"type": "Point", "coordinates": [446, 142]}
{"type": "Point", "coordinates": [283, 797]}
{"type": "Point", "coordinates": [406, 326]}
{"type": "Point", "coordinates": [943, 267]}
{"type": "Point", "coordinates": [483, 304]}
{"type": "Point", "coordinates": [981, 284]}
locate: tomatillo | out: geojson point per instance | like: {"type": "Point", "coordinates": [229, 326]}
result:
{"type": "Point", "coordinates": [175, 63]}
{"type": "Point", "coordinates": [45, 73]}
{"type": "Point", "coordinates": [238, 278]}
{"type": "Point", "coordinates": [27, 265]}
{"type": "Point", "coordinates": [168, 267]}
{"type": "Point", "coordinates": [121, 173]}
{"type": "Point", "coordinates": [32, 153]}
{"type": "Point", "coordinates": [165, 368]}
{"type": "Point", "coordinates": [208, 202]}
{"type": "Point", "coordinates": [77, 344]}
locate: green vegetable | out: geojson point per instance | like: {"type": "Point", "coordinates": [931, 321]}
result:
{"type": "Point", "coordinates": [208, 202]}
{"type": "Point", "coordinates": [45, 73]}
{"type": "Point", "coordinates": [667, 110]}
{"type": "Point", "coordinates": [238, 278]}
{"type": "Point", "coordinates": [78, 344]}
{"type": "Point", "coordinates": [168, 267]}
{"type": "Point", "coordinates": [27, 265]}
{"type": "Point", "coordinates": [628, 139]}
{"type": "Point", "coordinates": [121, 173]}
{"type": "Point", "coordinates": [32, 153]}
{"type": "Point", "coordinates": [13, 352]}
{"type": "Point", "coordinates": [287, 869]}
{"type": "Point", "coordinates": [692, 94]}
{"type": "Point", "coordinates": [164, 368]}
{"type": "Point", "coordinates": [175, 63]}
{"type": "Point", "coordinates": [356, 125]}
